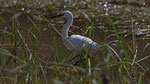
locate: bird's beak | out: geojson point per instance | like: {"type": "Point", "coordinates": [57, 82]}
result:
{"type": "Point", "coordinates": [57, 16]}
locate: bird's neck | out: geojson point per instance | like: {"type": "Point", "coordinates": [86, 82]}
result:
{"type": "Point", "coordinates": [66, 27]}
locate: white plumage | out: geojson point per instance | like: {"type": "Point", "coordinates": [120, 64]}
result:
{"type": "Point", "coordinates": [80, 43]}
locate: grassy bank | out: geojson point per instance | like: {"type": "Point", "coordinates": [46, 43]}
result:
{"type": "Point", "coordinates": [31, 50]}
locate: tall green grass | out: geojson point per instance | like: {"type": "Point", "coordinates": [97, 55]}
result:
{"type": "Point", "coordinates": [24, 59]}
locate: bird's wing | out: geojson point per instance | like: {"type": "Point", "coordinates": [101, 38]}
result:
{"type": "Point", "coordinates": [81, 42]}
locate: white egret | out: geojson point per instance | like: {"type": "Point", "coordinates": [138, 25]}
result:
{"type": "Point", "coordinates": [80, 43]}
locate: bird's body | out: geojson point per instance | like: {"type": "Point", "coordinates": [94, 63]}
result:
{"type": "Point", "coordinates": [80, 43]}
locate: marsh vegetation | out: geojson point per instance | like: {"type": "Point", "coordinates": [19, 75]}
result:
{"type": "Point", "coordinates": [31, 50]}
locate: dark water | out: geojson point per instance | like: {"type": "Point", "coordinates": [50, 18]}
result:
{"type": "Point", "coordinates": [131, 19]}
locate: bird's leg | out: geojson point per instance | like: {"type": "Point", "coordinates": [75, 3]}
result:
{"type": "Point", "coordinates": [74, 58]}
{"type": "Point", "coordinates": [83, 59]}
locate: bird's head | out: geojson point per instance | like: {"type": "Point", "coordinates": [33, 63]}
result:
{"type": "Point", "coordinates": [65, 14]}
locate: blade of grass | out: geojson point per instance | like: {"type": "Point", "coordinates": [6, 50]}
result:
{"type": "Point", "coordinates": [120, 43]}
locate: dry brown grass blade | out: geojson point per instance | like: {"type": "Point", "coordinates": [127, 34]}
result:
{"type": "Point", "coordinates": [139, 32]}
